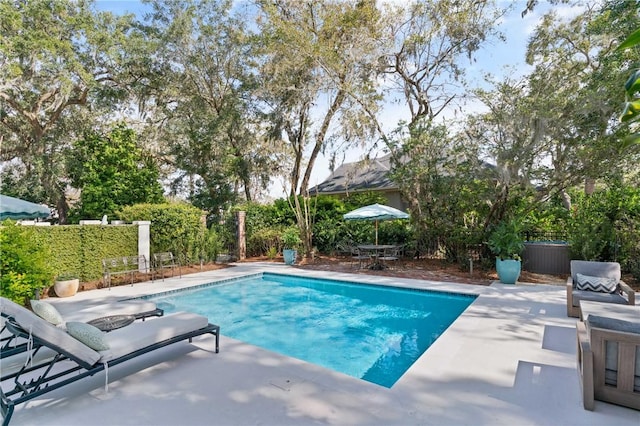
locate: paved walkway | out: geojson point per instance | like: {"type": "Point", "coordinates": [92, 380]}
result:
{"type": "Point", "coordinates": [508, 360]}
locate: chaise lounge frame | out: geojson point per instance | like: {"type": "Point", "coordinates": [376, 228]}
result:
{"type": "Point", "coordinates": [26, 388]}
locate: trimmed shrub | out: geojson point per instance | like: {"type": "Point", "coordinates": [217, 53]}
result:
{"type": "Point", "coordinates": [24, 263]}
{"type": "Point", "coordinates": [79, 249]}
{"type": "Point", "coordinates": [176, 227]}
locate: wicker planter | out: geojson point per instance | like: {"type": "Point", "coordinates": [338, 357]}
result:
{"type": "Point", "coordinates": [66, 288]}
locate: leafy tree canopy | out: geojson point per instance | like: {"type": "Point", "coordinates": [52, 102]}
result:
{"type": "Point", "coordinates": [60, 64]}
{"type": "Point", "coordinates": [113, 172]}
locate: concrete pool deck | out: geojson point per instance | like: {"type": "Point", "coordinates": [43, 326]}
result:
{"type": "Point", "coordinates": [508, 360]}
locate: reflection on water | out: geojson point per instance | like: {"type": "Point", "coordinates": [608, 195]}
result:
{"type": "Point", "coordinates": [369, 332]}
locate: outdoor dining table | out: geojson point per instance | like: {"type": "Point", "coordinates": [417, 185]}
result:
{"type": "Point", "coordinates": [376, 251]}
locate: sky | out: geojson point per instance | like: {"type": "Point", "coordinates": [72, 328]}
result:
{"type": "Point", "coordinates": [498, 59]}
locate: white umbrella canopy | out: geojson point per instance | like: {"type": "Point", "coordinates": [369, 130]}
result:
{"type": "Point", "coordinates": [15, 208]}
{"type": "Point", "coordinates": [376, 212]}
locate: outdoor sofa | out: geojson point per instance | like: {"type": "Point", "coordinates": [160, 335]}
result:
{"type": "Point", "coordinates": [619, 293]}
{"type": "Point", "coordinates": [56, 358]}
{"type": "Point", "coordinates": [609, 361]}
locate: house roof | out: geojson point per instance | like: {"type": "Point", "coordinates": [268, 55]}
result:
{"type": "Point", "coordinates": [369, 175]}
{"type": "Point", "coordinates": [366, 175]}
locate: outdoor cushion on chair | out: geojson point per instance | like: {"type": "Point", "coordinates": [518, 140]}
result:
{"type": "Point", "coordinates": [598, 277]}
{"type": "Point", "coordinates": [46, 331]}
{"type": "Point", "coordinates": [593, 296]}
{"type": "Point", "coordinates": [142, 334]}
{"type": "Point", "coordinates": [598, 284]}
{"type": "Point", "coordinates": [11, 345]}
{"type": "Point", "coordinates": [137, 308]}
{"type": "Point", "coordinates": [46, 311]}
{"type": "Point", "coordinates": [609, 361]}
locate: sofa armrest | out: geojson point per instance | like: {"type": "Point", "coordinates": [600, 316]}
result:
{"type": "Point", "coordinates": [631, 294]}
{"type": "Point", "coordinates": [585, 366]}
{"type": "Point", "coordinates": [571, 310]}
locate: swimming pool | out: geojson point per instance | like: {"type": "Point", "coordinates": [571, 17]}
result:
{"type": "Point", "coordinates": [371, 332]}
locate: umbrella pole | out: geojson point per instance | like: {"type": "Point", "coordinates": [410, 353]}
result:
{"type": "Point", "coordinates": [376, 232]}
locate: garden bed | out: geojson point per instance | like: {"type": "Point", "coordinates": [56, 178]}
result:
{"type": "Point", "coordinates": [423, 269]}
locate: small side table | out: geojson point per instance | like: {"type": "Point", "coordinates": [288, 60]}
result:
{"type": "Point", "coordinates": [112, 322]}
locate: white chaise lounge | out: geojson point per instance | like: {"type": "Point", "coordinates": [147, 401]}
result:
{"type": "Point", "coordinates": [139, 309]}
{"type": "Point", "coordinates": [68, 359]}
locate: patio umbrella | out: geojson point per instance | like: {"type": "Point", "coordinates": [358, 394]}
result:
{"type": "Point", "coordinates": [15, 208]}
{"type": "Point", "coordinates": [376, 212]}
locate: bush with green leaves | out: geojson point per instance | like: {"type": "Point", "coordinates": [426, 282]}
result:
{"type": "Point", "coordinates": [264, 241]}
{"type": "Point", "coordinates": [605, 225]}
{"type": "Point", "coordinates": [330, 229]}
{"type": "Point", "coordinates": [265, 224]}
{"type": "Point", "coordinates": [176, 227]}
{"type": "Point", "coordinates": [213, 245]}
{"type": "Point", "coordinates": [291, 238]}
{"type": "Point", "coordinates": [506, 241]}
{"type": "Point", "coordinates": [24, 265]}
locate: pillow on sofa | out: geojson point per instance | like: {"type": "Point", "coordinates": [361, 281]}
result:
{"type": "Point", "coordinates": [47, 312]}
{"type": "Point", "coordinates": [599, 284]}
{"type": "Point", "coordinates": [88, 334]}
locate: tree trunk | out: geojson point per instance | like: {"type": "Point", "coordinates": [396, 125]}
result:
{"type": "Point", "coordinates": [566, 200]}
{"type": "Point", "coordinates": [589, 186]}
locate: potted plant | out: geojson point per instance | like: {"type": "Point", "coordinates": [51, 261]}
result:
{"type": "Point", "coordinates": [507, 244]}
{"type": "Point", "coordinates": [66, 284]}
{"type": "Point", "coordinates": [291, 241]}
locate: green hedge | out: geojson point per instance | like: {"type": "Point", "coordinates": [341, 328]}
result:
{"type": "Point", "coordinates": [79, 249]}
{"type": "Point", "coordinates": [176, 227]}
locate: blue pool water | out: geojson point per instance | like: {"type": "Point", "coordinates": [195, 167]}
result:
{"type": "Point", "coordinates": [374, 333]}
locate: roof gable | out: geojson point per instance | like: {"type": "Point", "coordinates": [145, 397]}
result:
{"type": "Point", "coordinates": [359, 176]}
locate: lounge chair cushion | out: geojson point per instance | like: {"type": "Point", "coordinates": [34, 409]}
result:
{"type": "Point", "coordinates": [594, 296]}
{"type": "Point", "coordinates": [126, 307]}
{"type": "Point", "coordinates": [597, 284]}
{"type": "Point", "coordinates": [47, 312]}
{"type": "Point", "coordinates": [142, 334]}
{"type": "Point", "coordinates": [54, 337]}
{"type": "Point", "coordinates": [88, 334]}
